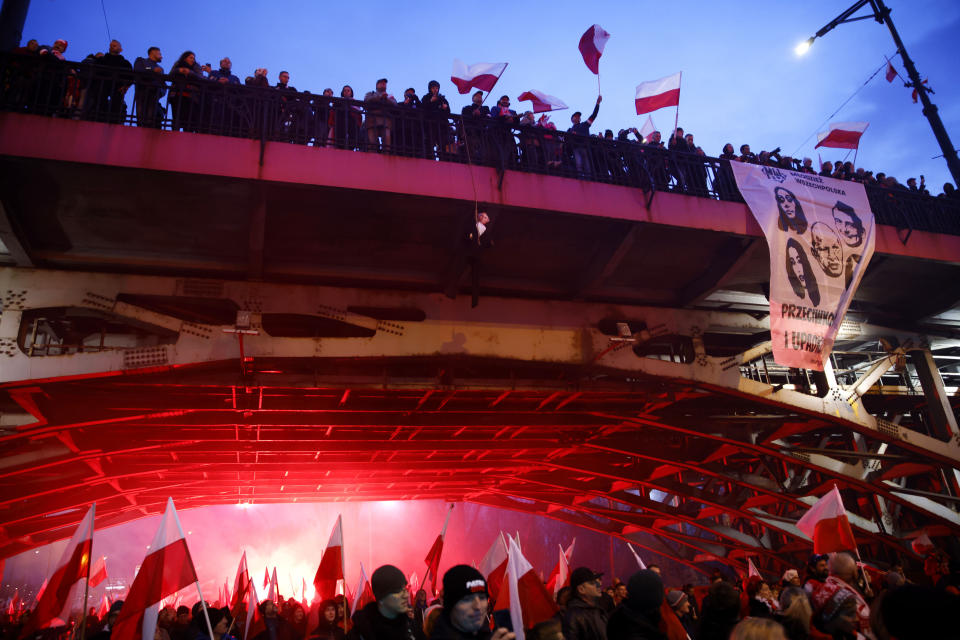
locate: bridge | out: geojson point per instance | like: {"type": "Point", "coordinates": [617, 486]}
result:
{"type": "Point", "coordinates": [240, 314]}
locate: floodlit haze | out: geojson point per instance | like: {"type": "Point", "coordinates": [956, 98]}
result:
{"type": "Point", "coordinates": [742, 81]}
{"type": "Point", "coordinates": [292, 537]}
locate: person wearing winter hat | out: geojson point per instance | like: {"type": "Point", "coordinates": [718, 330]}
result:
{"type": "Point", "coordinates": [465, 603]}
{"type": "Point", "coordinates": [386, 618]}
{"type": "Point", "coordinates": [680, 603]}
{"type": "Point", "coordinates": [638, 618]}
{"type": "Point", "coordinates": [584, 619]}
{"type": "Point", "coordinates": [220, 622]}
{"type": "Point", "coordinates": [277, 628]}
{"type": "Point", "coordinates": [791, 577]}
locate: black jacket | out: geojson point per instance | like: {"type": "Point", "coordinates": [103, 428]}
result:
{"type": "Point", "coordinates": [369, 624]}
{"type": "Point", "coordinates": [583, 621]}
{"type": "Point", "coordinates": [327, 631]}
{"type": "Point", "coordinates": [627, 624]}
{"type": "Point", "coordinates": [444, 630]}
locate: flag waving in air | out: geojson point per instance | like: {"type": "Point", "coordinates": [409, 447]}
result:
{"type": "Point", "coordinates": [842, 135]}
{"type": "Point", "coordinates": [74, 565]}
{"type": "Point", "coordinates": [482, 75]}
{"type": "Point", "coordinates": [433, 556]}
{"type": "Point", "coordinates": [241, 584]}
{"type": "Point", "coordinates": [542, 102]}
{"type": "Point", "coordinates": [591, 47]}
{"type": "Point", "coordinates": [165, 570]}
{"type": "Point", "coordinates": [657, 94]}
{"type": "Point", "coordinates": [330, 572]}
{"type": "Point", "coordinates": [560, 576]}
{"type": "Point", "coordinates": [529, 602]}
{"type": "Point", "coordinates": [494, 566]}
{"type": "Point", "coordinates": [827, 524]}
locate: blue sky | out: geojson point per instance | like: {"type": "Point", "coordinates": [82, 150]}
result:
{"type": "Point", "coordinates": [741, 80]}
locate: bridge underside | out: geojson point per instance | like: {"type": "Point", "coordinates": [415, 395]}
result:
{"type": "Point", "coordinates": [181, 319]}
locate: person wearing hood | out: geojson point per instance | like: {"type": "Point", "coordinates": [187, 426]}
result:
{"type": "Point", "coordinates": [638, 617]}
{"type": "Point", "coordinates": [465, 604]}
{"type": "Point", "coordinates": [584, 619]}
{"type": "Point", "coordinates": [277, 628]}
{"type": "Point", "coordinates": [329, 627]}
{"type": "Point", "coordinates": [386, 618]}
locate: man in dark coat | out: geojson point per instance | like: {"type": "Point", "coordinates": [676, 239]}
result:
{"type": "Point", "coordinates": [638, 618]}
{"type": "Point", "coordinates": [465, 603]}
{"type": "Point", "coordinates": [149, 89]}
{"type": "Point", "coordinates": [109, 84]}
{"type": "Point", "coordinates": [584, 619]}
{"type": "Point", "coordinates": [386, 618]}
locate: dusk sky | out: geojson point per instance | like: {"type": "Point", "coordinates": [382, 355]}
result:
{"type": "Point", "coordinates": [742, 81]}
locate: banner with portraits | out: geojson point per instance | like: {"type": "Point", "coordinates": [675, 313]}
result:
{"type": "Point", "coordinates": [820, 232]}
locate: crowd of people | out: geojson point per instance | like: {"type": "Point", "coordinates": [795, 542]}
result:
{"type": "Point", "coordinates": [835, 598]}
{"type": "Point", "coordinates": [423, 126]}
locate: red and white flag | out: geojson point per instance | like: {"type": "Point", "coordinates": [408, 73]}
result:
{"type": "Point", "coordinates": [891, 72]}
{"type": "Point", "coordinates": [494, 566]}
{"type": "Point", "coordinates": [330, 572]}
{"type": "Point", "coordinates": [433, 556]}
{"type": "Point", "coordinates": [98, 572]}
{"type": "Point", "coordinates": [542, 102]}
{"type": "Point", "coordinates": [922, 544]}
{"type": "Point", "coordinates": [13, 609]}
{"type": "Point", "coordinates": [636, 557]}
{"type": "Point", "coordinates": [658, 94]}
{"type": "Point", "coordinates": [414, 582]}
{"type": "Point", "coordinates": [274, 592]}
{"type": "Point", "coordinates": [482, 75]}
{"type": "Point", "coordinates": [530, 604]}
{"type": "Point", "coordinates": [168, 568]}
{"type": "Point", "coordinates": [647, 129]}
{"type": "Point", "coordinates": [364, 593]}
{"type": "Point", "coordinates": [591, 47]}
{"type": "Point", "coordinates": [752, 570]}
{"type": "Point", "coordinates": [827, 524]}
{"type": "Point", "coordinates": [266, 577]}
{"type": "Point", "coordinates": [560, 576]}
{"type": "Point", "coordinates": [104, 609]}
{"type": "Point", "coordinates": [842, 135]}
{"type": "Point", "coordinates": [73, 566]}
{"type": "Point", "coordinates": [254, 624]}
{"type": "Point", "coordinates": [241, 584]}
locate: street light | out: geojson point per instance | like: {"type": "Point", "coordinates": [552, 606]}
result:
{"type": "Point", "coordinates": [881, 14]}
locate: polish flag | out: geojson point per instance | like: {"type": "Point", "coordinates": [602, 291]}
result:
{"type": "Point", "coordinates": [303, 595]}
{"type": "Point", "coordinates": [647, 129]}
{"type": "Point", "coordinates": [530, 604]}
{"type": "Point", "coordinates": [891, 72]}
{"type": "Point", "coordinates": [658, 94]}
{"type": "Point", "coordinates": [842, 135]}
{"type": "Point", "coordinates": [266, 577]}
{"type": "Point", "coordinates": [330, 572]}
{"type": "Point", "coordinates": [560, 576]}
{"type": "Point", "coordinates": [13, 608]}
{"type": "Point", "coordinates": [98, 572]}
{"type": "Point", "coordinates": [591, 47]}
{"type": "Point", "coordinates": [482, 75]}
{"type": "Point", "coordinates": [433, 556]}
{"type": "Point", "coordinates": [414, 583]}
{"type": "Point", "coordinates": [274, 592]}
{"type": "Point", "coordinates": [494, 566]}
{"type": "Point", "coordinates": [636, 557]}
{"type": "Point", "coordinates": [74, 565]}
{"type": "Point", "coordinates": [827, 524]}
{"type": "Point", "coordinates": [226, 594]}
{"type": "Point", "coordinates": [922, 544]}
{"type": "Point", "coordinates": [167, 569]}
{"type": "Point", "coordinates": [364, 593]}
{"type": "Point", "coordinates": [542, 102]}
{"type": "Point", "coordinates": [104, 609]}
{"type": "Point", "coordinates": [240, 584]}
{"type": "Point", "coordinates": [43, 587]}
{"type": "Point", "coordinates": [254, 623]}
{"type": "Point", "coordinates": [752, 570]}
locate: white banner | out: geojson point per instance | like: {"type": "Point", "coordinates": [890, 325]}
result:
{"type": "Point", "coordinates": [820, 232]}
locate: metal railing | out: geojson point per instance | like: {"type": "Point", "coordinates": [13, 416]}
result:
{"type": "Point", "coordinates": [96, 92]}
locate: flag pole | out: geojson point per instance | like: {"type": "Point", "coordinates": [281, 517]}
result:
{"type": "Point", "coordinates": [86, 583]}
{"type": "Point", "coordinates": [505, 65]}
{"type": "Point", "coordinates": [676, 119]}
{"type": "Point", "coordinates": [598, 81]}
{"type": "Point", "coordinates": [203, 605]}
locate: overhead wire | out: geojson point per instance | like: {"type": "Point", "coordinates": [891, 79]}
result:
{"type": "Point", "coordinates": [845, 102]}
{"type": "Point", "coordinates": [105, 21]}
